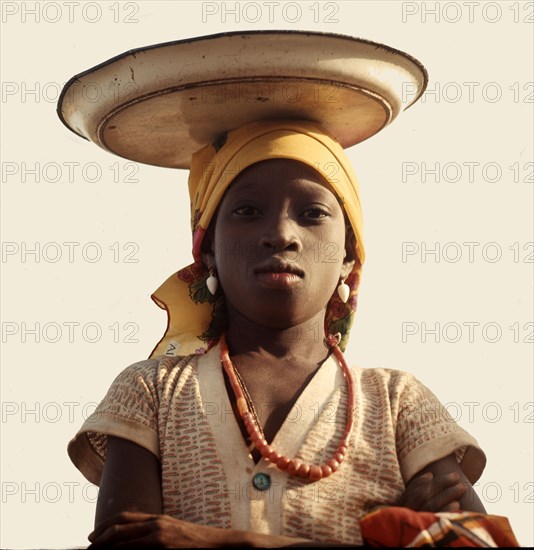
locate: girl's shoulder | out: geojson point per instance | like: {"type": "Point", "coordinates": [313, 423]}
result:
{"type": "Point", "coordinates": [383, 376]}
{"type": "Point", "coordinates": [157, 371]}
{"type": "Point", "coordinates": [393, 384]}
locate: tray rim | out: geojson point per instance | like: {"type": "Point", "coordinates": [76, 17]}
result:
{"type": "Point", "coordinates": [135, 51]}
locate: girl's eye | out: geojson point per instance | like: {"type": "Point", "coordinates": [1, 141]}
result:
{"type": "Point", "coordinates": [316, 213]}
{"type": "Point", "coordinates": [246, 210]}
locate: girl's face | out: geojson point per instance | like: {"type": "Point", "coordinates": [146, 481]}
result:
{"type": "Point", "coordinates": [279, 243]}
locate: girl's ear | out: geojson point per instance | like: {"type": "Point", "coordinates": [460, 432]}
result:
{"type": "Point", "coordinates": [208, 247]}
{"type": "Point", "coordinates": [349, 259]}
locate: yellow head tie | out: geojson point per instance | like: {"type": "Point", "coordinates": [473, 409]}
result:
{"type": "Point", "coordinates": [195, 317]}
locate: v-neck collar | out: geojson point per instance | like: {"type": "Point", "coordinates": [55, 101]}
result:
{"type": "Point", "coordinates": [294, 428]}
{"type": "Point", "coordinates": [237, 462]}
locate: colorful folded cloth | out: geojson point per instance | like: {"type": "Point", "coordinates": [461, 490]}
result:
{"type": "Point", "coordinates": [395, 526]}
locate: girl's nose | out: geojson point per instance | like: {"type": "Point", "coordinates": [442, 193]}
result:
{"type": "Point", "coordinates": [281, 236]}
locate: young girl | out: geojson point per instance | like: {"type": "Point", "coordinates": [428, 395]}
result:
{"type": "Point", "coordinates": [246, 426]}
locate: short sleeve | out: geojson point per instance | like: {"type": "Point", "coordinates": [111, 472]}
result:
{"type": "Point", "coordinates": [426, 432]}
{"type": "Point", "coordinates": [129, 410]}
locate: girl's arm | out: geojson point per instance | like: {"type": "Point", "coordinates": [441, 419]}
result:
{"type": "Point", "coordinates": [441, 487]}
{"type": "Point", "coordinates": [131, 481]}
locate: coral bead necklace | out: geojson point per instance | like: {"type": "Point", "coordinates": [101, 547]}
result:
{"type": "Point", "coordinates": [248, 414]}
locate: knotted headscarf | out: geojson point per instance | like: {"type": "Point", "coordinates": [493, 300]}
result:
{"type": "Point", "coordinates": [196, 319]}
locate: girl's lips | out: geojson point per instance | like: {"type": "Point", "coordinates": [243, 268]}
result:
{"type": "Point", "coordinates": [280, 280]}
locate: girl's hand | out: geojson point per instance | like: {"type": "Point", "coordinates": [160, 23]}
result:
{"type": "Point", "coordinates": [430, 493]}
{"type": "Point", "coordinates": [134, 529]}
{"type": "Point", "coordinates": [157, 530]}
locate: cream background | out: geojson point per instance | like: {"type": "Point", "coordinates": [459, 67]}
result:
{"type": "Point", "coordinates": [153, 213]}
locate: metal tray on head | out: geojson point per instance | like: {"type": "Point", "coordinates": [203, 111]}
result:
{"type": "Point", "coordinates": [160, 104]}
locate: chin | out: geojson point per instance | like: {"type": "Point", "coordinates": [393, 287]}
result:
{"type": "Point", "coordinates": [283, 316]}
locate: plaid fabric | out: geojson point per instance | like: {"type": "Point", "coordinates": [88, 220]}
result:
{"type": "Point", "coordinates": [393, 526]}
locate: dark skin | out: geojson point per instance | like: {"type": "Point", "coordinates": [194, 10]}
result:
{"type": "Point", "coordinates": [275, 340]}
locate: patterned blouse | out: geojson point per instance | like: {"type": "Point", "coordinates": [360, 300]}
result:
{"type": "Point", "coordinates": [178, 408]}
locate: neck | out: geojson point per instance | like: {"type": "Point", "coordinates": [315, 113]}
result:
{"type": "Point", "coordinates": [304, 340]}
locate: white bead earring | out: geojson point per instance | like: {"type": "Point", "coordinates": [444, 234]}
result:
{"type": "Point", "coordinates": [212, 282]}
{"type": "Point", "coordinates": [343, 291]}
